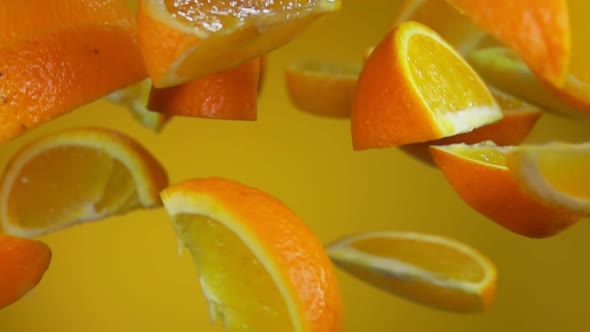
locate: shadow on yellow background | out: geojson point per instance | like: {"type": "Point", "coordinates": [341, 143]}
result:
{"type": "Point", "coordinates": [124, 274]}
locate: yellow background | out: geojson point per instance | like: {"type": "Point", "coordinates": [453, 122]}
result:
{"type": "Point", "coordinates": [124, 274]}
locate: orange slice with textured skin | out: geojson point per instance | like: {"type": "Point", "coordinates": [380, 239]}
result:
{"type": "Point", "coordinates": [415, 87]}
{"type": "Point", "coordinates": [260, 266]}
{"type": "Point", "coordinates": [431, 270]}
{"type": "Point", "coordinates": [74, 176]}
{"type": "Point", "coordinates": [480, 176]}
{"type": "Point", "coordinates": [23, 263]}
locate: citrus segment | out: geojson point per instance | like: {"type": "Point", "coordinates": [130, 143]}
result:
{"type": "Point", "coordinates": [479, 175]}
{"type": "Point", "coordinates": [414, 87]}
{"type": "Point", "coordinates": [557, 172]}
{"type": "Point", "coordinates": [202, 37]}
{"type": "Point", "coordinates": [260, 266]}
{"type": "Point", "coordinates": [59, 55]}
{"type": "Point", "coordinates": [321, 88]}
{"type": "Point", "coordinates": [538, 30]}
{"type": "Point", "coordinates": [519, 119]}
{"type": "Point", "coordinates": [23, 263]}
{"type": "Point", "coordinates": [231, 95]}
{"type": "Point", "coordinates": [74, 176]}
{"type": "Point", "coordinates": [428, 269]}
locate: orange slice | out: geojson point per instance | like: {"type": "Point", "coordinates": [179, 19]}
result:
{"type": "Point", "coordinates": [519, 119]}
{"type": "Point", "coordinates": [135, 98]}
{"type": "Point", "coordinates": [321, 88]}
{"type": "Point", "coordinates": [204, 37]}
{"type": "Point", "coordinates": [260, 266]}
{"type": "Point", "coordinates": [415, 87]}
{"type": "Point", "coordinates": [23, 263]}
{"type": "Point", "coordinates": [231, 95]}
{"type": "Point", "coordinates": [538, 30]}
{"type": "Point", "coordinates": [74, 176]}
{"type": "Point", "coordinates": [440, 16]}
{"type": "Point", "coordinates": [557, 173]}
{"type": "Point", "coordinates": [58, 55]}
{"type": "Point", "coordinates": [480, 176]}
{"type": "Point", "coordinates": [431, 270]}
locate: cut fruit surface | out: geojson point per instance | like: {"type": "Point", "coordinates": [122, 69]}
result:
{"type": "Point", "coordinates": [458, 30]}
{"type": "Point", "coordinates": [23, 263]}
{"type": "Point", "coordinates": [538, 30]}
{"type": "Point", "coordinates": [431, 270]}
{"type": "Point", "coordinates": [229, 95]}
{"type": "Point", "coordinates": [74, 176]}
{"type": "Point", "coordinates": [519, 119]}
{"type": "Point", "coordinates": [58, 55]}
{"type": "Point", "coordinates": [203, 37]}
{"type": "Point", "coordinates": [480, 176]}
{"type": "Point", "coordinates": [321, 88]}
{"type": "Point", "coordinates": [260, 267]}
{"type": "Point", "coordinates": [557, 172]}
{"type": "Point", "coordinates": [415, 87]}
{"type": "Point", "coordinates": [135, 98]}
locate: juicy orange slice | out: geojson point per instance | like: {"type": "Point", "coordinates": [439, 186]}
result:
{"type": "Point", "coordinates": [440, 16]}
{"type": "Point", "coordinates": [431, 270]}
{"type": "Point", "coordinates": [231, 95]}
{"type": "Point", "coordinates": [557, 172]}
{"type": "Point", "coordinates": [58, 55]}
{"type": "Point", "coordinates": [260, 266]}
{"type": "Point", "coordinates": [538, 30]}
{"type": "Point", "coordinates": [74, 176]}
{"type": "Point", "coordinates": [519, 119]}
{"type": "Point", "coordinates": [135, 98]}
{"type": "Point", "coordinates": [204, 37]}
{"type": "Point", "coordinates": [415, 87]}
{"type": "Point", "coordinates": [321, 88]}
{"type": "Point", "coordinates": [23, 263]}
{"type": "Point", "coordinates": [480, 176]}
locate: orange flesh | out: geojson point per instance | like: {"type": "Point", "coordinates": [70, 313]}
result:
{"type": "Point", "coordinates": [241, 292]}
{"type": "Point", "coordinates": [64, 184]}
{"type": "Point", "coordinates": [439, 75]}
{"type": "Point", "coordinates": [486, 155]}
{"type": "Point", "coordinates": [569, 165]}
{"type": "Point", "coordinates": [437, 258]}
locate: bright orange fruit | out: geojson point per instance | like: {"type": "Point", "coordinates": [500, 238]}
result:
{"type": "Point", "coordinates": [58, 55]}
{"type": "Point", "coordinates": [259, 265]}
{"type": "Point", "coordinates": [23, 263]}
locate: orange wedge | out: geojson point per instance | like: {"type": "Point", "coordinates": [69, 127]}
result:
{"type": "Point", "coordinates": [538, 30]}
{"type": "Point", "coordinates": [74, 176]}
{"type": "Point", "coordinates": [519, 119]}
{"type": "Point", "coordinates": [480, 176]}
{"type": "Point", "coordinates": [431, 270]}
{"type": "Point", "coordinates": [231, 95]}
{"type": "Point", "coordinates": [204, 37]}
{"type": "Point", "coordinates": [415, 87]}
{"type": "Point", "coordinates": [58, 55]}
{"type": "Point", "coordinates": [440, 16]}
{"type": "Point", "coordinates": [260, 266]}
{"type": "Point", "coordinates": [135, 98]}
{"type": "Point", "coordinates": [321, 88]}
{"type": "Point", "coordinates": [23, 263]}
{"type": "Point", "coordinates": [557, 173]}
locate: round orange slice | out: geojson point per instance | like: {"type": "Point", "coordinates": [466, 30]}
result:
{"type": "Point", "coordinates": [260, 266]}
{"type": "Point", "coordinates": [415, 87]}
{"type": "Point", "coordinates": [428, 269]}
{"type": "Point", "coordinates": [519, 120]}
{"type": "Point", "coordinates": [480, 176]}
{"type": "Point", "coordinates": [230, 95]}
{"type": "Point", "coordinates": [23, 263]}
{"type": "Point", "coordinates": [538, 30]}
{"type": "Point", "coordinates": [74, 176]}
{"type": "Point", "coordinates": [58, 55]}
{"type": "Point", "coordinates": [204, 37]}
{"type": "Point", "coordinates": [322, 89]}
